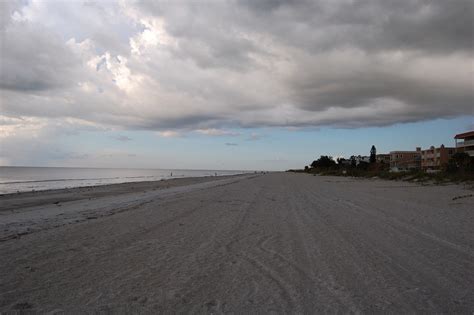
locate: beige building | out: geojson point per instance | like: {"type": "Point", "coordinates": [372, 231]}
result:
{"type": "Point", "coordinates": [405, 160]}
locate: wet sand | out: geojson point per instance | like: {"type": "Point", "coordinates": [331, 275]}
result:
{"type": "Point", "coordinates": [279, 242]}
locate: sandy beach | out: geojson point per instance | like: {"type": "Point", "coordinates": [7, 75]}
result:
{"type": "Point", "coordinates": [277, 242]}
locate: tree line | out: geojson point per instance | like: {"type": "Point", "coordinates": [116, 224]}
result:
{"type": "Point", "coordinates": [460, 165]}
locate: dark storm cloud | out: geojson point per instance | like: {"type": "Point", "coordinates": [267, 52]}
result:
{"type": "Point", "coordinates": [326, 36]}
{"type": "Point", "coordinates": [434, 26]}
{"type": "Point", "coordinates": [370, 25]}
{"type": "Point", "coordinates": [314, 91]}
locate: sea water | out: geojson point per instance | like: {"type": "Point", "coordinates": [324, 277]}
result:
{"type": "Point", "coordinates": [19, 179]}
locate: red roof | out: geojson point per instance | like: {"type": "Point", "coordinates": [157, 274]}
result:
{"type": "Point", "coordinates": [464, 135]}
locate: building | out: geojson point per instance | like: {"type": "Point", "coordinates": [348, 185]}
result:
{"type": "Point", "coordinates": [467, 143]}
{"type": "Point", "coordinates": [361, 159]}
{"type": "Point", "coordinates": [405, 160]}
{"type": "Point", "coordinates": [383, 158]}
{"type": "Point", "coordinates": [435, 158]}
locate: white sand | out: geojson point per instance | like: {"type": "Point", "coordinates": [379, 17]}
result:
{"type": "Point", "coordinates": [279, 242]}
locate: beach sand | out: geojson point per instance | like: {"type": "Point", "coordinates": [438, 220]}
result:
{"type": "Point", "coordinates": [278, 242]}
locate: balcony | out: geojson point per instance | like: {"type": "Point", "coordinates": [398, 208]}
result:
{"type": "Point", "coordinates": [470, 152]}
{"type": "Point", "coordinates": [461, 144]}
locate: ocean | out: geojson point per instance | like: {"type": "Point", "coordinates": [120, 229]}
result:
{"type": "Point", "coordinates": [19, 179]}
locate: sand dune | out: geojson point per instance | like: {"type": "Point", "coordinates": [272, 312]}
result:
{"type": "Point", "coordinates": [280, 242]}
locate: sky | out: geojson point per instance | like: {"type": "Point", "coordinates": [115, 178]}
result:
{"type": "Point", "coordinates": [254, 85]}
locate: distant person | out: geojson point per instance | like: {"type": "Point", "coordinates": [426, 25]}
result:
{"type": "Point", "coordinates": [171, 175]}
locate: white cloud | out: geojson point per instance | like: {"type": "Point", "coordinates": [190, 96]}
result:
{"type": "Point", "coordinates": [169, 134]}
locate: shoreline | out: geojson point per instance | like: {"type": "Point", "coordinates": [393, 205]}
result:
{"type": "Point", "coordinates": [95, 191]}
{"type": "Point", "coordinates": [30, 179]}
{"type": "Point", "coordinates": [142, 182]}
{"type": "Point", "coordinates": [25, 213]}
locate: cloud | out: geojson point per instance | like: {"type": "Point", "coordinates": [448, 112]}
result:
{"type": "Point", "coordinates": [254, 137]}
{"type": "Point", "coordinates": [169, 134]}
{"type": "Point", "coordinates": [182, 68]}
{"type": "Point", "coordinates": [217, 132]}
{"type": "Point", "coordinates": [231, 144]}
{"type": "Point", "coordinates": [41, 141]}
{"type": "Point", "coordinates": [50, 67]}
{"type": "Point", "coordinates": [122, 138]}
